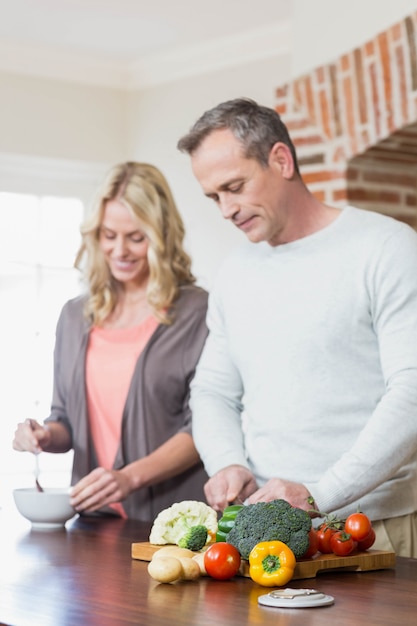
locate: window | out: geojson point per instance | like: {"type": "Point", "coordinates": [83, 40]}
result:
{"type": "Point", "coordinates": [39, 238]}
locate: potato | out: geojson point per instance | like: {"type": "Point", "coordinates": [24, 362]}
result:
{"type": "Point", "coordinates": [199, 559]}
{"type": "Point", "coordinates": [173, 551]}
{"type": "Point", "coordinates": [191, 569]}
{"type": "Point", "coordinates": [166, 569]}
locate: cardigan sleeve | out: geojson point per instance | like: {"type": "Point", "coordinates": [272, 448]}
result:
{"type": "Point", "coordinates": [69, 337]}
{"type": "Point", "coordinates": [196, 337]}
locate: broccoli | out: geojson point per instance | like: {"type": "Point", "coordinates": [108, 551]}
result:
{"type": "Point", "coordinates": [194, 539]}
{"type": "Point", "coordinates": [270, 521]}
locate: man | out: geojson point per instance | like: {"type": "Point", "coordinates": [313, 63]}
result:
{"type": "Point", "coordinates": [307, 386]}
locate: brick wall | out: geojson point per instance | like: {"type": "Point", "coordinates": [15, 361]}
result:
{"type": "Point", "coordinates": [354, 124]}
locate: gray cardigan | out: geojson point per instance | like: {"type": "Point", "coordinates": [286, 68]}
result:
{"type": "Point", "coordinates": [157, 403]}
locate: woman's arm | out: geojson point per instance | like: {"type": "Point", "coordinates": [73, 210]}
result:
{"type": "Point", "coordinates": [30, 436]}
{"type": "Point", "coordinates": [102, 487]}
{"type": "Point", "coordinates": [173, 457]}
{"type": "Point", "coordinates": [56, 438]}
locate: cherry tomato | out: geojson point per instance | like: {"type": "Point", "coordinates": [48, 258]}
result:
{"type": "Point", "coordinates": [342, 543]}
{"type": "Point", "coordinates": [358, 525]}
{"type": "Point", "coordinates": [222, 560]}
{"type": "Point", "coordinates": [368, 541]}
{"type": "Point", "coordinates": [313, 547]}
{"type": "Point", "coordinates": [324, 535]}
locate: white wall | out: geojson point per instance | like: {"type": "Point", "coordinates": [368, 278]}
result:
{"type": "Point", "coordinates": [325, 29]}
{"type": "Point", "coordinates": [41, 176]}
{"type": "Point", "coordinates": [159, 116]}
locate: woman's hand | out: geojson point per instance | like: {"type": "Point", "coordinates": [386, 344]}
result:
{"type": "Point", "coordinates": [30, 436]}
{"type": "Point", "coordinates": [99, 488]}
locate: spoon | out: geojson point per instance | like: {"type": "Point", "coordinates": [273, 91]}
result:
{"type": "Point", "coordinates": [37, 469]}
{"type": "Point", "coordinates": [37, 472]}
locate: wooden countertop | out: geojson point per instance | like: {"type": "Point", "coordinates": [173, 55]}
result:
{"type": "Point", "coordinates": [85, 576]}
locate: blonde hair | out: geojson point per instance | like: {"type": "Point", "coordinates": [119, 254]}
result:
{"type": "Point", "coordinates": [143, 189]}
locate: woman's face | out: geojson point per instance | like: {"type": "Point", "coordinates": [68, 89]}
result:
{"type": "Point", "coordinates": [124, 245]}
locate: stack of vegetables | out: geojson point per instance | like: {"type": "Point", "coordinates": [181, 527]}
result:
{"type": "Point", "coordinates": [266, 521]}
{"type": "Point", "coordinates": [271, 536]}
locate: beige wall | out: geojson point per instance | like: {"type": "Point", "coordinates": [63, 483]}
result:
{"type": "Point", "coordinates": [51, 118]}
{"type": "Point", "coordinates": [325, 29]}
{"type": "Point", "coordinates": [157, 119]}
{"type": "Point", "coordinates": [57, 120]}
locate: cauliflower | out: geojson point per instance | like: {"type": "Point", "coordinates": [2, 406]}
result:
{"type": "Point", "coordinates": [173, 524]}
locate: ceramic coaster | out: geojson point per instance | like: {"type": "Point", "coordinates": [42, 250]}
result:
{"type": "Point", "coordinates": [295, 598]}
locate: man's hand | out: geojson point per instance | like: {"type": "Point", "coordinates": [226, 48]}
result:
{"type": "Point", "coordinates": [231, 484]}
{"type": "Point", "coordinates": [294, 493]}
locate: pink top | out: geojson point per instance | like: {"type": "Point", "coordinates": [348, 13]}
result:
{"type": "Point", "coordinates": [111, 358]}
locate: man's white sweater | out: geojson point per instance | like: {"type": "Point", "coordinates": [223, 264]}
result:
{"type": "Point", "coordinates": [315, 341]}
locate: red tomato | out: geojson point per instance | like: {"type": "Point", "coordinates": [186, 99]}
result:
{"type": "Point", "coordinates": [368, 541]}
{"type": "Point", "coordinates": [222, 560]}
{"type": "Point", "coordinates": [358, 525]}
{"type": "Point", "coordinates": [324, 535]}
{"type": "Point", "coordinates": [342, 543]}
{"type": "Point", "coordinates": [313, 547]}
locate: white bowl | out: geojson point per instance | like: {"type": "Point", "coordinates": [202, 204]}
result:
{"type": "Point", "coordinates": [46, 509]}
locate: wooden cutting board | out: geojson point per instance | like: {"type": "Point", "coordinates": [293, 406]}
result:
{"type": "Point", "coordinates": [308, 568]}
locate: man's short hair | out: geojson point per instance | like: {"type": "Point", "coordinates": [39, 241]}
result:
{"type": "Point", "coordinates": [257, 127]}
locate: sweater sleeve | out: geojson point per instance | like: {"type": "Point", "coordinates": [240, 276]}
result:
{"type": "Point", "coordinates": [389, 438]}
{"type": "Point", "coordinates": [216, 393]}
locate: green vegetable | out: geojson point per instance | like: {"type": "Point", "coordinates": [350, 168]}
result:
{"type": "Point", "coordinates": [270, 521]}
{"type": "Point", "coordinates": [227, 521]}
{"type": "Point", "coordinates": [194, 539]}
{"type": "Point", "coordinates": [221, 536]}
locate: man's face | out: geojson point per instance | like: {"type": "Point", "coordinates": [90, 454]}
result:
{"type": "Point", "coordinates": [248, 194]}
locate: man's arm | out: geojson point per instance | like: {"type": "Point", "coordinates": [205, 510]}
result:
{"type": "Point", "coordinates": [389, 438]}
{"type": "Point", "coordinates": [216, 393]}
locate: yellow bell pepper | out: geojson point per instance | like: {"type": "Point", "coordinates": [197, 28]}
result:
{"type": "Point", "coordinates": [271, 563]}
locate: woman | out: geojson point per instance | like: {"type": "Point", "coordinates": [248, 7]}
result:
{"type": "Point", "coordinates": [125, 354]}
